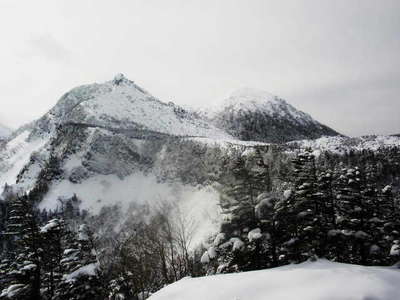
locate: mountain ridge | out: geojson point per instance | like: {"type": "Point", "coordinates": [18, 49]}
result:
{"type": "Point", "coordinates": [120, 103]}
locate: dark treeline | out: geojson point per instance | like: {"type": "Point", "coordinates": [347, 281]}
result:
{"type": "Point", "coordinates": [340, 207]}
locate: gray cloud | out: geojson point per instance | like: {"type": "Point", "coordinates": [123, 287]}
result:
{"type": "Point", "coordinates": [49, 48]}
{"type": "Point", "coordinates": [337, 60]}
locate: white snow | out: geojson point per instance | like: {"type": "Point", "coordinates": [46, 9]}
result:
{"type": "Point", "coordinates": [50, 226]}
{"type": "Point", "coordinates": [28, 267]}
{"type": "Point", "coordinates": [208, 255]}
{"type": "Point", "coordinates": [82, 233]}
{"type": "Point", "coordinates": [12, 290]}
{"type": "Point", "coordinates": [205, 258]}
{"type": "Point", "coordinates": [219, 239]}
{"type": "Point", "coordinates": [16, 155]}
{"type": "Point", "coordinates": [89, 270]}
{"type": "Point", "coordinates": [237, 244]}
{"type": "Point", "coordinates": [212, 253]}
{"type": "Point", "coordinates": [121, 103]}
{"type": "Point", "coordinates": [386, 189]}
{"type": "Point", "coordinates": [250, 99]}
{"type": "Point", "coordinates": [254, 234]}
{"type": "Point", "coordinates": [395, 250]}
{"type": "Point", "coordinates": [287, 194]}
{"type": "Point", "coordinates": [197, 207]}
{"type": "Point", "coordinates": [320, 280]}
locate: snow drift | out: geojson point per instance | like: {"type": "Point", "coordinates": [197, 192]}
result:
{"type": "Point", "coordinates": [321, 280]}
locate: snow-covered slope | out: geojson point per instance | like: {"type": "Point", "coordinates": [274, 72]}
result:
{"type": "Point", "coordinates": [321, 280]}
{"type": "Point", "coordinates": [122, 105]}
{"type": "Point", "coordinates": [251, 114]}
{"type": "Point", "coordinates": [102, 141]}
{"type": "Point", "coordinates": [97, 129]}
{"type": "Point", "coordinates": [253, 100]}
{"type": "Point", "coordinates": [16, 154]}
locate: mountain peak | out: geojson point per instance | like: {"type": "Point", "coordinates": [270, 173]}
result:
{"type": "Point", "coordinates": [120, 105]}
{"type": "Point", "coordinates": [253, 114]}
{"type": "Point", "coordinates": [251, 99]}
{"type": "Point", "coordinates": [121, 79]}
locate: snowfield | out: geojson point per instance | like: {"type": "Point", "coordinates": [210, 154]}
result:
{"type": "Point", "coordinates": [122, 104]}
{"type": "Point", "coordinates": [320, 280]}
{"type": "Point", "coordinates": [16, 156]}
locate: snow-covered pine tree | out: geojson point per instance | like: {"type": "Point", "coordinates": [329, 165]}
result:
{"type": "Point", "coordinates": [333, 241]}
{"type": "Point", "coordinates": [375, 211]}
{"type": "Point", "coordinates": [249, 178]}
{"type": "Point", "coordinates": [287, 228]}
{"type": "Point", "coordinates": [390, 226]}
{"type": "Point", "coordinates": [354, 213]}
{"type": "Point", "coordinates": [81, 278]}
{"type": "Point", "coordinates": [308, 209]}
{"type": "Point", "coordinates": [52, 239]}
{"type": "Point", "coordinates": [271, 238]}
{"type": "Point", "coordinates": [24, 275]}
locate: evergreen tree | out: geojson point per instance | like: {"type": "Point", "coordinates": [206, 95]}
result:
{"type": "Point", "coordinates": [24, 276]}
{"type": "Point", "coordinates": [52, 239]}
{"type": "Point", "coordinates": [81, 279]}
{"type": "Point", "coordinates": [308, 209]}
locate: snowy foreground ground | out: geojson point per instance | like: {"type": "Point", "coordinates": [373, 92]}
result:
{"type": "Point", "coordinates": [321, 280]}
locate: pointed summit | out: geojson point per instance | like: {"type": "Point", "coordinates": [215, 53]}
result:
{"type": "Point", "coordinates": [250, 99]}
{"type": "Point", "coordinates": [120, 79]}
{"type": "Point", "coordinates": [120, 104]}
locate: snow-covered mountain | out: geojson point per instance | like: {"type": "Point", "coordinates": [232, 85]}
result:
{"type": "Point", "coordinates": [103, 142]}
{"type": "Point", "coordinates": [251, 114]}
{"type": "Point", "coordinates": [122, 105]}
{"type": "Point", "coordinates": [114, 143]}
{"type": "Point", "coordinates": [95, 130]}
{"type": "Point", "coordinates": [115, 151]}
{"type": "Point", "coordinates": [104, 134]}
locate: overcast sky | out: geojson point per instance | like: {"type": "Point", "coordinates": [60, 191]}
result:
{"type": "Point", "coordinates": [337, 60]}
